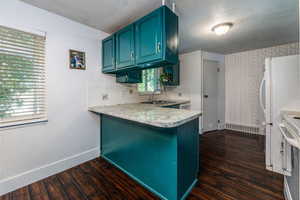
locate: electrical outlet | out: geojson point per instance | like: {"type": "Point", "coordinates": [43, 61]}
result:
{"type": "Point", "coordinates": [131, 91]}
{"type": "Point", "coordinates": [104, 97]}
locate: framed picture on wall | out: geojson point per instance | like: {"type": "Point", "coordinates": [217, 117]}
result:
{"type": "Point", "coordinates": [77, 60]}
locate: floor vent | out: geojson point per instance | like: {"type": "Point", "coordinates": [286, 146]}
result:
{"type": "Point", "coordinates": [243, 129]}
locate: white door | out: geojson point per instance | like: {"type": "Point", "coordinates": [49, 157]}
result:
{"type": "Point", "coordinates": [210, 95]}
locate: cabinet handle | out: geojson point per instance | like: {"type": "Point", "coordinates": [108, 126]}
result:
{"type": "Point", "coordinates": [132, 55]}
{"type": "Point", "coordinates": [158, 47]}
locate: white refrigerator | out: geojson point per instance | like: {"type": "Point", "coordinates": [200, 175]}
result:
{"type": "Point", "coordinates": [278, 89]}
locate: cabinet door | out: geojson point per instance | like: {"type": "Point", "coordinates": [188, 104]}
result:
{"type": "Point", "coordinates": [108, 54]}
{"type": "Point", "coordinates": [125, 47]}
{"type": "Point", "coordinates": [148, 34]}
{"type": "Point", "coordinates": [129, 77]}
{"type": "Point", "coordinates": [173, 73]}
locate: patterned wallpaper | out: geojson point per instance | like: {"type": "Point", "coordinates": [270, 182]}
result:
{"type": "Point", "coordinates": [244, 72]}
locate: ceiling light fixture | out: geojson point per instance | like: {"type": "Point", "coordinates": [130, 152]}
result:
{"type": "Point", "coordinates": [222, 29]}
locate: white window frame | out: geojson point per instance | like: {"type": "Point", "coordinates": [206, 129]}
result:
{"type": "Point", "coordinates": [20, 122]}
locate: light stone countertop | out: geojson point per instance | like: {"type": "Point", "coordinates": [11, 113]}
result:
{"type": "Point", "coordinates": [171, 102]}
{"type": "Point", "coordinates": [153, 115]}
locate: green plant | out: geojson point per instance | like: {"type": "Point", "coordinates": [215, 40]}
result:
{"type": "Point", "coordinates": [15, 81]}
{"type": "Point", "coordinates": [164, 78]}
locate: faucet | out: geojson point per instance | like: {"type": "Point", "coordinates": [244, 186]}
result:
{"type": "Point", "coordinates": [151, 97]}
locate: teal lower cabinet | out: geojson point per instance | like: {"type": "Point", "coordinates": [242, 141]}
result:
{"type": "Point", "coordinates": [163, 160]}
{"type": "Point", "coordinates": [173, 106]}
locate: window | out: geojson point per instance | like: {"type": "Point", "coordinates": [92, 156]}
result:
{"type": "Point", "coordinates": [151, 81]}
{"type": "Point", "coordinates": [22, 77]}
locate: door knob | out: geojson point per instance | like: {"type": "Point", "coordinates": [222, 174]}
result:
{"type": "Point", "coordinates": [205, 96]}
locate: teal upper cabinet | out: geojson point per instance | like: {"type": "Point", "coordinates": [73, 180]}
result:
{"type": "Point", "coordinates": [149, 37]}
{"type": "Point", "coordinates": [125, 49]}
{"type": "Point", "coordinates": [156, 37]}
{"type": "Point", "coordinates": [108, 55]}
{"type": "Point", "coordinates": [173, 74]}
{"type": "Point", "coordinates": [152, 41]}
{"type": "Point", "coordinates": [129, 76]}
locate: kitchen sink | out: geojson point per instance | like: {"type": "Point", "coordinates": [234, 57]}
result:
{"type": "Point", "coordinates": [159, 102]}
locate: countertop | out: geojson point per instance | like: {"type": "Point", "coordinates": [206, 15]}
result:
{"type": "Point", "coordinates": [153, 115]}
{"type": "Point", "coordinates": [172, 103]}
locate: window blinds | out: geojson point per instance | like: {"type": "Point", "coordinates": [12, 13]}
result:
{"type": "Point", "coordinates": [22, 76]}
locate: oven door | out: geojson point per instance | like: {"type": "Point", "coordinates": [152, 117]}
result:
{"type": "Point", "coordinates": [285, 149]}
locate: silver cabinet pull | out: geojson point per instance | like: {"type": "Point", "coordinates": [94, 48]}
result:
{"type": "Point", "coordinates": [158, 47]}
{"type": "Point", "coordinates": [132, 55]}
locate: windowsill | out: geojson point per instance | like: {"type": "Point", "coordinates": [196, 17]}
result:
{"type": "Point", "coordinates": [22, 124]}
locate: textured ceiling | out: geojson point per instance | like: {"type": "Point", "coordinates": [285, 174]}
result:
{"type": "Point", "coordinates": [257, 23]}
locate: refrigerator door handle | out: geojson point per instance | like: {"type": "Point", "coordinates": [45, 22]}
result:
{"type": "Point", "coordinates": [261, 94]}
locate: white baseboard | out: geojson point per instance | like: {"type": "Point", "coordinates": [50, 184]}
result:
{"type": "Point", "coordinates": [221, 126]}
{"type": "Point", "coordinates": [243, 128]}
{"type": "Point", "coordinates": [287, 193]}
{"type": "Point", "coordinates": [12, 183]}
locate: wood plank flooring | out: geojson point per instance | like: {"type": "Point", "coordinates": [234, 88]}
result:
{"type": "Point", "coordinates": [232, 168]}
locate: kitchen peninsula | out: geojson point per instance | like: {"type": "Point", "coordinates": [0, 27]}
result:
{"type": "Point", "coordinates": [158, 147]}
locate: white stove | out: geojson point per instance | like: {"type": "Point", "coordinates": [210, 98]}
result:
{"type": "Point", "coordinates": [290, 129]}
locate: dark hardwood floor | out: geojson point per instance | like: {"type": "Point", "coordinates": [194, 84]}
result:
{"type": "Point", "coordinates": [232, 169]}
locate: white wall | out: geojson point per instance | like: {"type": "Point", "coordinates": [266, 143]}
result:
{"type": "Point", "coordinates": [190, 78]}
{"type": "Point", "coordinates": [244, 71]}
{"type": "Point", "coordinates": [190, 81]}
{"type": "Point", "coordinates": [240, 77]}
{"type": "Point", "coordinates": [190, 87]}
{"type": "Point", "coordinates": [72, 134]}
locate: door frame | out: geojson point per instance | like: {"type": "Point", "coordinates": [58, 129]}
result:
{"type": "Point", "coordinates": [202, 90]}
